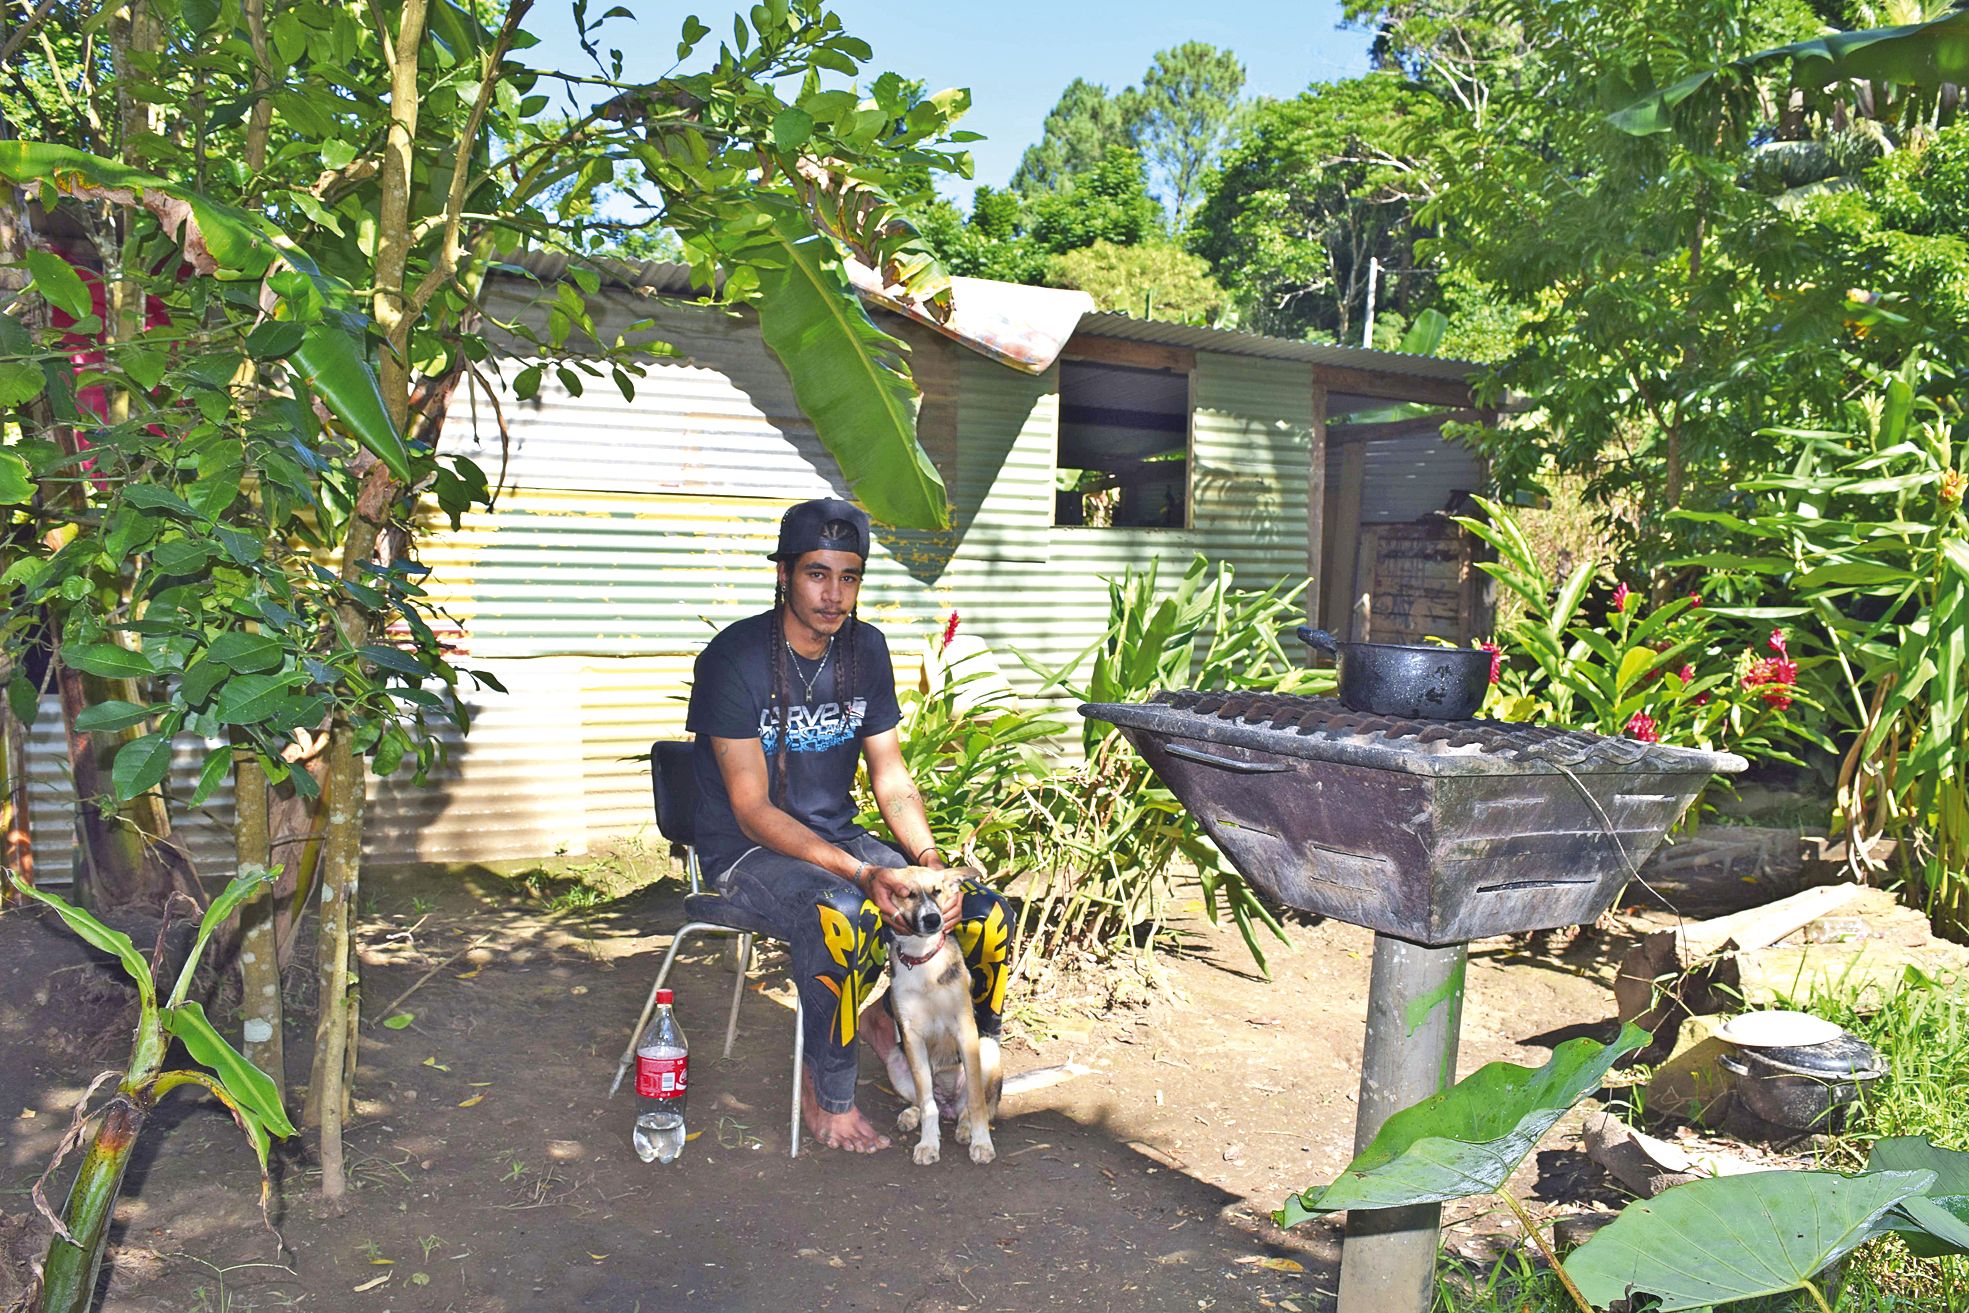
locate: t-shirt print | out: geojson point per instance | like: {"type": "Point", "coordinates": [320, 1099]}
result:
{"type": "Point", "coordinates": [813, 729]}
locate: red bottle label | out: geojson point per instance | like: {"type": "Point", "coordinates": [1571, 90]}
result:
{"type": "Point", "coordinates": [661, 1078]}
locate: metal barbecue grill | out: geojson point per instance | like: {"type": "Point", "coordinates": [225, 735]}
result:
{"type": "Point", "coordinates": [1431, 833]}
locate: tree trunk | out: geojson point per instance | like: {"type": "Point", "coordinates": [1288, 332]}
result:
{"type": "Point", "coordinates": [341, 861]}
{"type": "Point", "coordinates": [259, 960]}
{"type": "Point", "coordinates": [340, 1006]}
{"type": "Point", "coordinates": [120, 865]}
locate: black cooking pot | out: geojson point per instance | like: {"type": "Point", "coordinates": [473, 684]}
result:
{"type": "Point", "coordinates": [1401, 679]}
{"type": "Point", "coordinates": [1807, 1087]}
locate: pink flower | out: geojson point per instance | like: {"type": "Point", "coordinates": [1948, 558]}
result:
{"type": "Point", "coordinates": [1496, 658]}
{"type": "Point", "coordinates": [1695, 600]}
{"type": "Point", "coordinates": [1687, 674]}
{"type": "Point", "coordinates": [1642, 726]}
{"type": "Point", "coordinates": [1777, 643]}
{"type": "Point", "coordinates": [1621, 593]}
{"type": "Point", "coordinates": [949, 631]}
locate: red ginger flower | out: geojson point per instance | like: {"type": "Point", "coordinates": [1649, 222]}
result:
{"type": "Point", "coordinates": [1695, 601]}
{"type": "Point", "coordinates": [1775, 675]}
{"type": "Point", "coordinates": [1687, 674]}
{"type": "Point", "coordinates": [949, 631]}
{"type": "Point", "coordinates": [1621, 593]}
{"type": "Point", "coordinates": [1496, 658]}
{"type": "Point", "coordinates": [1642, 726]}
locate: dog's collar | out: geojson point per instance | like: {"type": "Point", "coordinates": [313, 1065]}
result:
{"type": "Point", "coordinates": [919, 961]}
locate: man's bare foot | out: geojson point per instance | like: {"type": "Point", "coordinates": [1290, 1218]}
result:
{"type": "Point", "coordinates": [848, 1130]}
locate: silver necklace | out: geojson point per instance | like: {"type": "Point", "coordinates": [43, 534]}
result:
{"type": "Point", "coordinates": [805, 681]}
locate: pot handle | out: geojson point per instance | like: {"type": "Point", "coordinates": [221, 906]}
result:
{"type": "Point", "coordinates": [1731, 1063]}
{"type": "Point", "coordinates": [1319, 638]}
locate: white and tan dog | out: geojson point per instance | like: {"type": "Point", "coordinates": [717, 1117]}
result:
{"type": "Point", "coordinates": [931, 991]}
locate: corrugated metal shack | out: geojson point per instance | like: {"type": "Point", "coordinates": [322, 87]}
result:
{"type": "Point", "coordinates": [628, 532]}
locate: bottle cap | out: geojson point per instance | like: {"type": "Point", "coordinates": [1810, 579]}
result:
{"type": "Point", "coordinates": [663, 996]}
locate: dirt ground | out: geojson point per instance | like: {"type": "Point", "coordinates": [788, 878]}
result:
{"type": "Point", "coordinates": [491, 1173]}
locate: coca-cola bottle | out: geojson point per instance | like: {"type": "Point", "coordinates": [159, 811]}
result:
{"type": "Point", "coordinates": [662, 1068]}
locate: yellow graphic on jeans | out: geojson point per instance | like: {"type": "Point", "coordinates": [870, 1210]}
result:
{"type": "Point", "coordinates": [987, 943]}
{"type": "Point", "coordinates": [854, 947]}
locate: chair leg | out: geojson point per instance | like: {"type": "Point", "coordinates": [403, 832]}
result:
{"type": "Point", "coordinates": [743, 951]}
{"type": "Point", "coordinates": [649, 1004]}
{"type": "Point", "coordinates": [799, 1053]}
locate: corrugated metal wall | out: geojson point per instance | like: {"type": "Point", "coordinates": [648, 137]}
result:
{"type": "Point", "coordinates": [1414, 475]}
{"type": "Point", "coordinates": [628, 533]}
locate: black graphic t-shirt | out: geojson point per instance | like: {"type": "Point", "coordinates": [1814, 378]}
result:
{"type": "Point", "coordinates": [731, 698]}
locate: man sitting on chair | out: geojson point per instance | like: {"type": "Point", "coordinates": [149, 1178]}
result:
{"type": "Point", "coordinates": [782, 706]}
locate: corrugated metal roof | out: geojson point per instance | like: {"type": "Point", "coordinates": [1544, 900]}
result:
{"type": "Point", "coordinates": [1231, 343]}
{"type": "Point", "coordinates": [664, 278]}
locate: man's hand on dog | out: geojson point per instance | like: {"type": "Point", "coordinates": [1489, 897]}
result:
{"type": "Point", "coordinates": [886, 887]}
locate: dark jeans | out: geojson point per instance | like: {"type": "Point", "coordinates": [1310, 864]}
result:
{"type": "Point", "coordinates": [839, 947]}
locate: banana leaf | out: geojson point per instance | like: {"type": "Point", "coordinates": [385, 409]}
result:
{"type": "Point", "coordinates": [849, 377]}
{"type": "Point", "coordinates": [1914, 54]}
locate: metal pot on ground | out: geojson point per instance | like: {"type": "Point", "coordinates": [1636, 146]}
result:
{"type": "Point", "coordinates": [1805, 1088]}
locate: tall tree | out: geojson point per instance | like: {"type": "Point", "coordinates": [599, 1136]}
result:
{"type": "Point", "coordinates": [1189, 101]}
{"type": "Point", "coordinates": [1309, 193]}
{"type": "Point", "coordinates": [1080, 128]}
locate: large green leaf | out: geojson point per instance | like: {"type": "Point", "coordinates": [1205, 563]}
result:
{"type": "Point", "coordinates": [333, 363]}
{"type": "Point", "coordinates": [1918, 54]}
{"type": "Point", "coordinates": [109, 660]}
{"type": "Point", "coordinates": [97, 935]}
{"type": "Point", "coordinates": [253, 1088]}
{"type": "Point", "coordinates": [1736, 1237]}
{"type": "Point", "coordinates": [1471, 1137]}
{"type": "Point", "coordinates": [140, 765]}
{"type": "Point", "coordinates": [848, 375]}
{"type": "Point", "coordinates": [16, 481]}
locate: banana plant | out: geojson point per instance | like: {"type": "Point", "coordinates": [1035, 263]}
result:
{"type": "Point", "coordinates": [75, 1254]}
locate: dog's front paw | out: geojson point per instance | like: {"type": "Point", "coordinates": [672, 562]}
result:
{"type": "Point", "coordinates": [926, 1155]}
{"type": "Point", "coordinates": [981, 1150]}
{"type": "Point", "coordinates": [962, 1130]}
{"type": "Point", "coordinates": [908, 1119]}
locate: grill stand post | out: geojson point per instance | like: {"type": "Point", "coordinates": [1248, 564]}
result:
{"type": "Point", "coordinates": [1414, 1014]}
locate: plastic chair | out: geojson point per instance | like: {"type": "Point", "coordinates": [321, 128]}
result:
{"type": "Point", "coordinates": [674, 782]}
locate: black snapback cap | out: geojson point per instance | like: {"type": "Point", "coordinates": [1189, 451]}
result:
{"type": "Point", "coordinates": [804, 528]}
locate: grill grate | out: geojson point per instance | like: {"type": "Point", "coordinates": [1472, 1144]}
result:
{"type": "Point", "coordinates": [1301, 726]}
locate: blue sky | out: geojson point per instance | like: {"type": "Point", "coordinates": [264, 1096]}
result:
{"type": "Point", "coordinates": [1017, 55]}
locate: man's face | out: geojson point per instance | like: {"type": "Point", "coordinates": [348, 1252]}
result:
{"type": "Point", "coordinates": [821, 588]}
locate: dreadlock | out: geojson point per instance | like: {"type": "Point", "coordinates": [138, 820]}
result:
{"type": "Point", "coordinates": [782, 674]}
